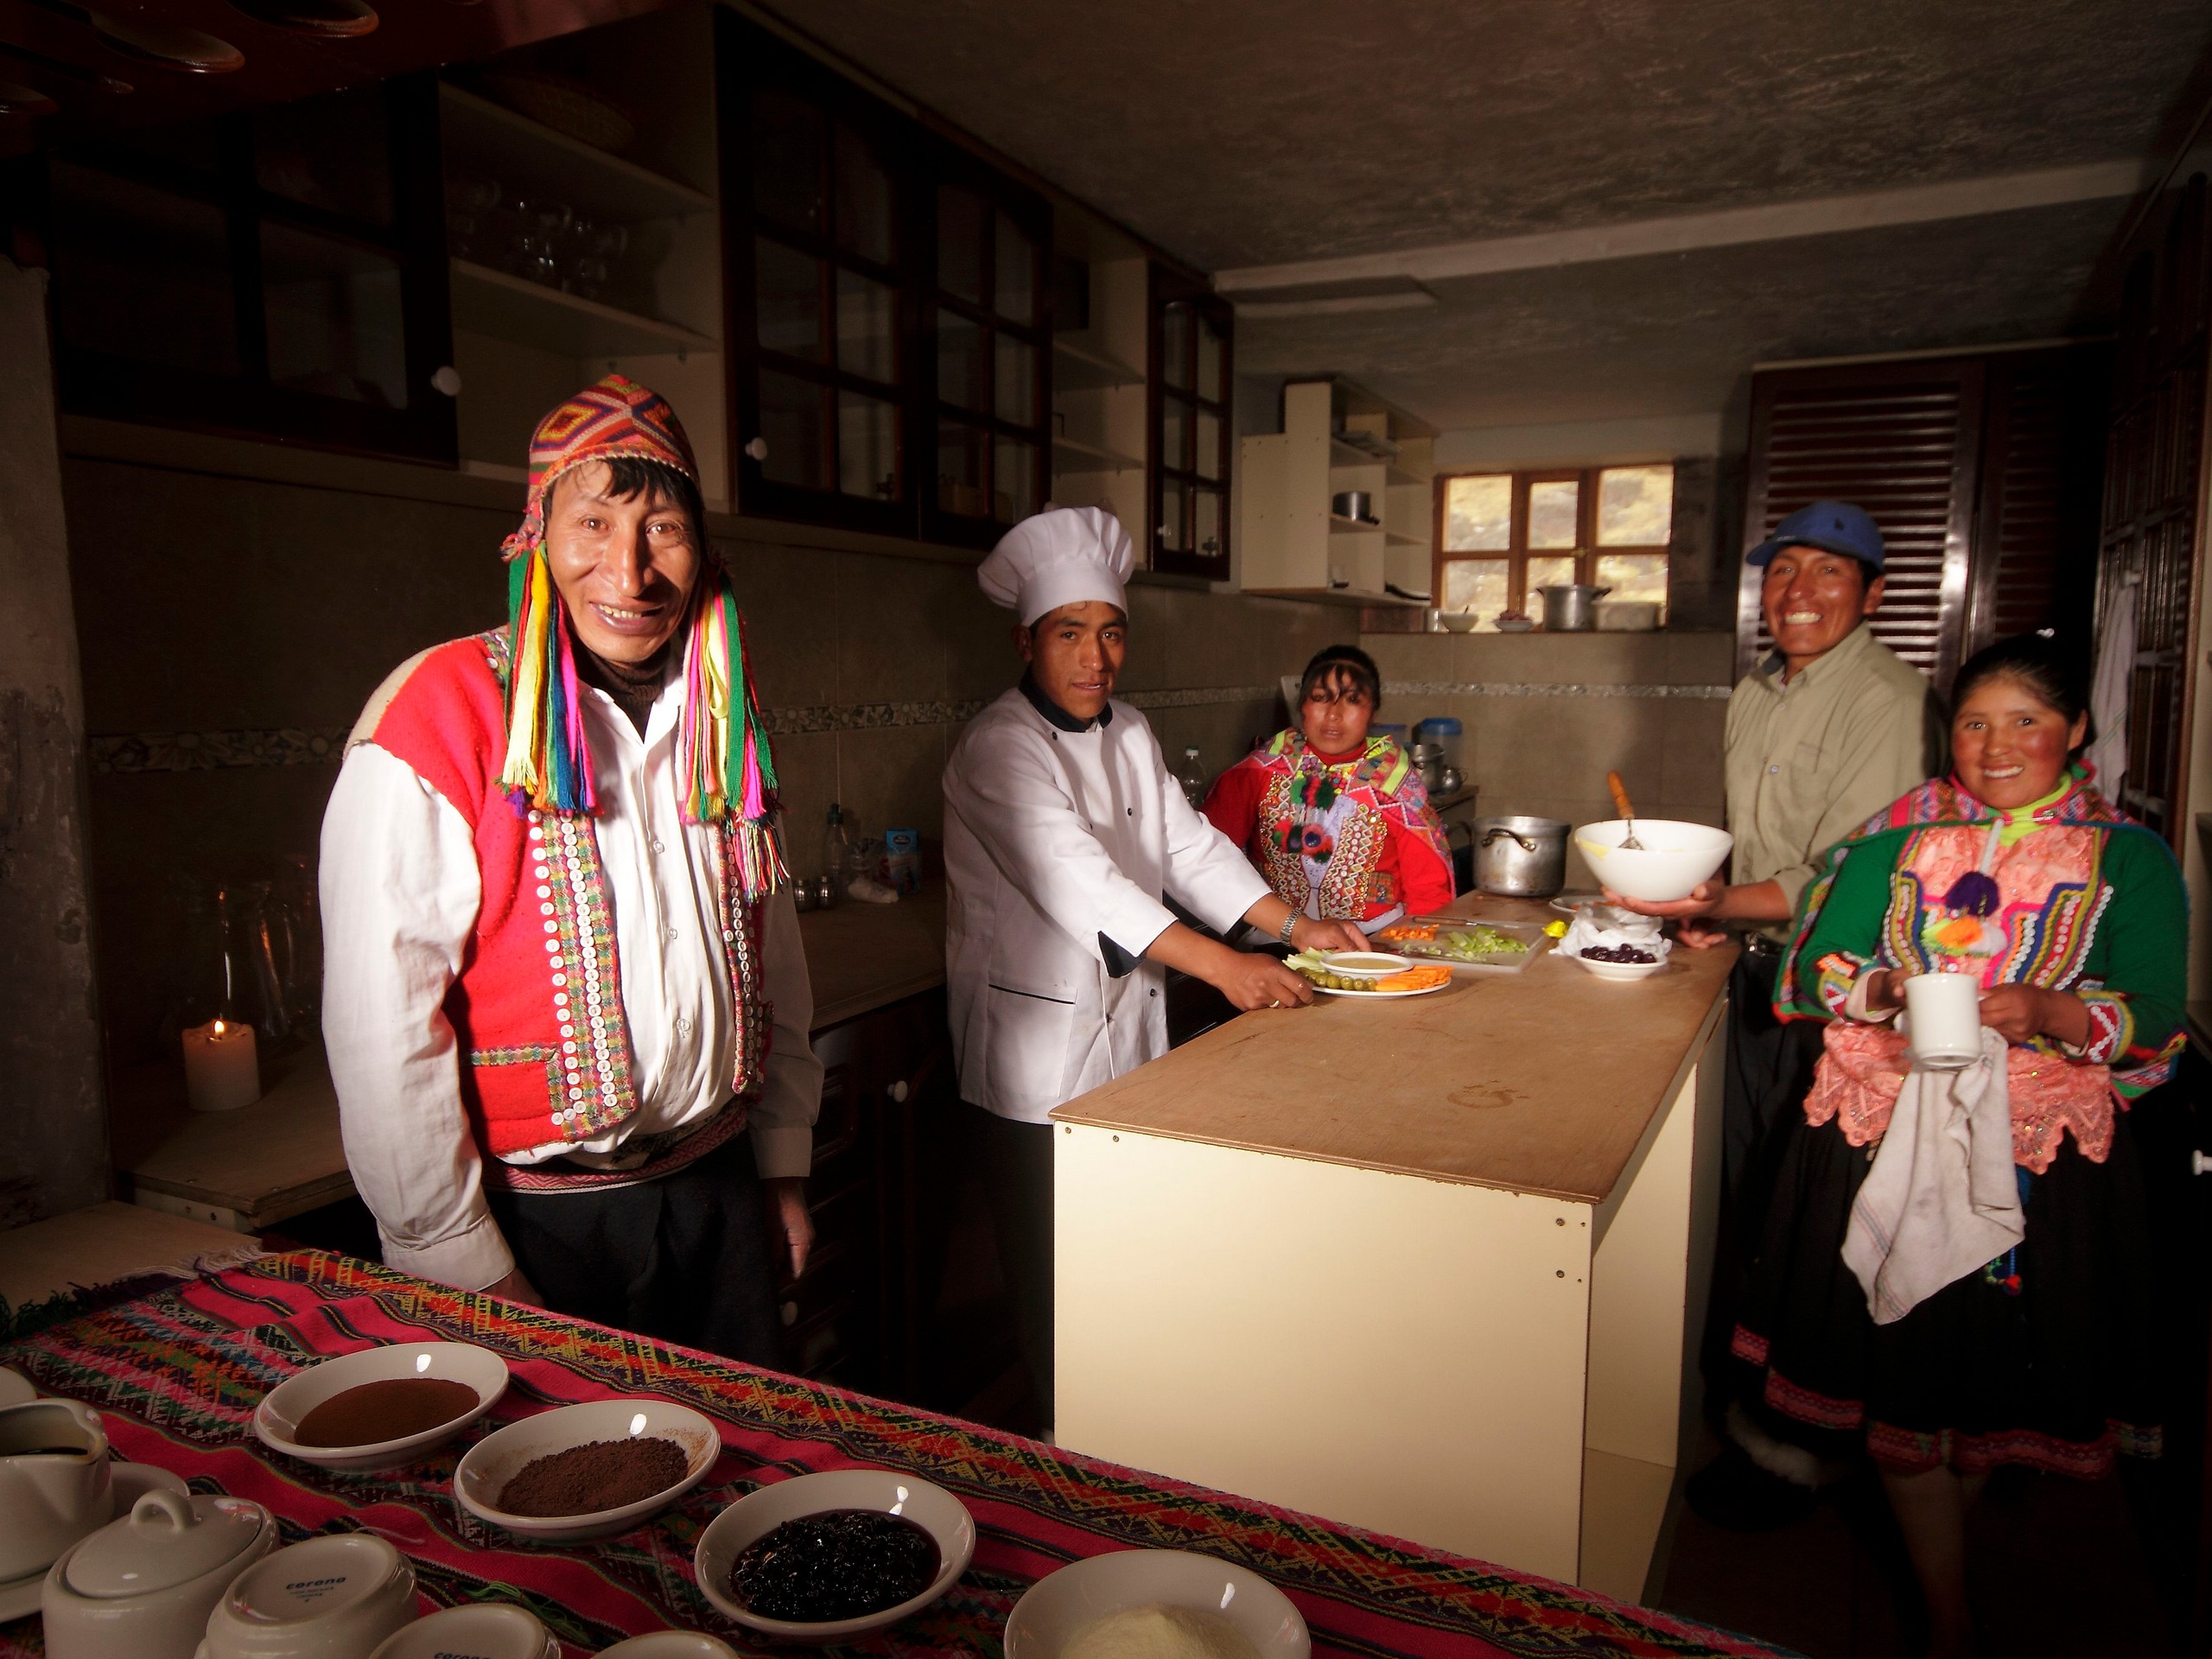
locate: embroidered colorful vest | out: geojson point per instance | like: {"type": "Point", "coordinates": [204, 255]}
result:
{"type": "Point", "coordinates": [537, 1008]}
{"type": "Point", "coordinates": [1341, 844]}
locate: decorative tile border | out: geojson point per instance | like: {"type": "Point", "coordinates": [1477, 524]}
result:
{"type": "Point", "coordinates": [1518, 689]}
{"type": "Point", "coordinates": [141, 752]}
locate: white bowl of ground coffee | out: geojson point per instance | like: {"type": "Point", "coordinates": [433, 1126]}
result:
{"type": "Point", "coordinates": [382, 1407]}
{"type": "Point", "coordinates": [586, 1471]}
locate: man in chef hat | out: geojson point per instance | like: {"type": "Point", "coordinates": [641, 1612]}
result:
{"type": "Point", "coordinates": [1064, 835]}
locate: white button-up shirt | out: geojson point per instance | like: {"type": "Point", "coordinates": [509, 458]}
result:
{"type": "Point", "coordinates": [1053, 841]}
{"type": "Point", "coordinates": [400, 895]}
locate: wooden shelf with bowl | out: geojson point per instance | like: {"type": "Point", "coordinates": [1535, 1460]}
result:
{"type": "Point", "coordinates": [1293, 541]}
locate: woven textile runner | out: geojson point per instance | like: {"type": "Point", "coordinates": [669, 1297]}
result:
{"type": "Point", "coordinates": [177, 1371]}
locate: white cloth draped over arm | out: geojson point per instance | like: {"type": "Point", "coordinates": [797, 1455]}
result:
{"type": "Point", "coordinates": [400, 897]}
{"type": "Point", "coordinates": [781, 1122]}
{"type": "Point", "coordinates": [1020, 808]}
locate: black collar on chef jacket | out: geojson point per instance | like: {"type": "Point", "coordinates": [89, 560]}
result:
{"type": "Point", "coordinates": [1059, 717]}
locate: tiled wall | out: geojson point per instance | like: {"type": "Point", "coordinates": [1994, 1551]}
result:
{"type": "Point", "coordinates": [232, 629]}
{"type": "Point", "coordinates": [1547, 715]}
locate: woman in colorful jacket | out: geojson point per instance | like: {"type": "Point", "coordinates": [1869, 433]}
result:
{"type": "Point", "coordinates": [1335, 819]}
{"type": "Point", "coordinates": [2074, 919]}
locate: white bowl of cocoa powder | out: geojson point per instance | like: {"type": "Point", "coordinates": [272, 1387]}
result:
{"type": "Point", "coordinates": [586, 1471]}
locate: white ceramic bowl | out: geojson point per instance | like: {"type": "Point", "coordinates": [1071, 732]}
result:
{"type": "Point", "coordinates": [759, 1512]}
{"type": "Point", "coordinates": [1061, 1605]}
{"type": "Point", "coordinates": [488, 1465]}
{"type": "Point", "coordinates": [1621, 970]}
{"type": "Point", "coordinates": [336, 1597]}
{"type": "Point", "coordinates": [1459, 621]}
{"type": "Point", "coordinates": [482, 1629]}
{"type": "Point", "coordinates": [1676, 857]}
{"type": "Point", "coordinates": [276, 1419]}
{"type": "Point", "coordinates": [1366, 964]}
{"type": "Point", "coordinates": [671, 1644]}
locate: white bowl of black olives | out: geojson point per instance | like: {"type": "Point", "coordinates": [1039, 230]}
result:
{"type": "Point", "coordinates": [823, 1558]}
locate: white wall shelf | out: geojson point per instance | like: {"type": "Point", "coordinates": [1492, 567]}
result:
{"type": "Point", "coordinates": [530, 314]}
{"type": "Point", "coordinates": [1069, 456]}
{"type": "Point", "coordinates": [532, 159]}
{"type": "Point", "coordinates": [1078, 367]}
{"type": "Point", "coordinates": [1294, 544]}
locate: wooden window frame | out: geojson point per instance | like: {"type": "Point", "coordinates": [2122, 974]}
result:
{"type": "Point", "coordinates": [1169, 288]}
{"type": "Point", "coordinates": [248, 404]}
{"type": "Point", "coordinates": [1517, 552]}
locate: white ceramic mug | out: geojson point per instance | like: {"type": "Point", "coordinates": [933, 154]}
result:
{"type": "Point", "coordinates": [54, 1482]}
{"type": "Point", "coordinates": [1943, 1019]}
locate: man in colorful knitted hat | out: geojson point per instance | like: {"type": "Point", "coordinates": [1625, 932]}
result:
{"type": "Point", "coordinates": [566, 1003]}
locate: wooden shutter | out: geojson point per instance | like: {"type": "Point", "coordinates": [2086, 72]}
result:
{"type": "Point", "coordinates": [1903, 440]}
{"type": "Point", "coordinates": [2035, 550]}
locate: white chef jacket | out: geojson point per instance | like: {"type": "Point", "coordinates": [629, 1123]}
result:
{"type": "Point", "coordinates": [1059, 845]}
{"type": "Point", "coordinates": [400, 895]}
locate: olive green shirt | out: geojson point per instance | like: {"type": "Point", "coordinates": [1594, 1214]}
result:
{"type": "Point", "coordinates": [1811, 760]}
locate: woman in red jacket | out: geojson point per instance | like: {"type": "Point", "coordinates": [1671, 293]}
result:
{"type": "Point", "coordinates": [1337, 820]}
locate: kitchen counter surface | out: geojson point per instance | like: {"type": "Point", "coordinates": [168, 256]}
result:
{"type": "Point", "coordinates": [1544, 1081]}
{"type": "Point", "coordinates": [861, 957]}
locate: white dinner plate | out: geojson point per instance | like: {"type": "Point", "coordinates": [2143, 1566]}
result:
{"type": "Point", "coordinates": [1377, 996]}
{"type": "Point", "coordinates": [1580, 898]}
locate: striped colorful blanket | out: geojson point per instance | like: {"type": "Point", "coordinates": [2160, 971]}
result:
{"type": "Point", "coordinates": [176, 1370]}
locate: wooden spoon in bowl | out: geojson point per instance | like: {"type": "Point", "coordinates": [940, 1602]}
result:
{"type": "Point", "coordinates": [1621, 805]}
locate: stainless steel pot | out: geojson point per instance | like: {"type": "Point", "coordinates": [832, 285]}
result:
{"type": "Point", "coordinates": [1353, 504]}
{"type": "Point", "coordinates": [1569, 607]}
{"type": "Point", "coordinates": [1521, 858]}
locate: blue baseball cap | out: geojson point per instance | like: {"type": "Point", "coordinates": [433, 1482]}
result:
{"type": "Point", "coordinates": [1832, 527]}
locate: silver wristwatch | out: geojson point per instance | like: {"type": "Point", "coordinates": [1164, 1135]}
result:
{"type": "Point", "coordinates": [1289, 926]}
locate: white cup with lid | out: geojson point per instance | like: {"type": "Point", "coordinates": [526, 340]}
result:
{"type": "Point", "coordinates": [336, 1597]}
{"type": "Point", "coordinates": [483, 1630]}
{"type": "Point", "coordinates": [54, 1482]}
{"type": "Point", "coordinates": [140, 1587]}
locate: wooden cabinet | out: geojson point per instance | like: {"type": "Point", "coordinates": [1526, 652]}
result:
{"type": "Point", "coordinates": [1337, 440]}
{"type": "Point", "coordinates": [854, 1316]}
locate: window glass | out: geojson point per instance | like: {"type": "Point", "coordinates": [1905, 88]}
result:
{"type": "Point", "coordinates": [1208, 463]}
{"type": "Point", "coordinates": [864, 215]}
{"type": "Point", "coordinates": [328, 152]}
{"type": "Point", "coordinates": [1013, 480]}
{"type": "Point", "coordinates": [141, 273]}
{"type": "Point", "coordinates": [868, 447]}
{"type": "Point", "coordinates": [335, 326]}
{"type": "Point", "coordinates": [960, 228]}
{"type": "Point", "coordinates": [1478, 514]}
{"type": "Point", "coordinates": [1634, 575]}
{"type": "Point", "coordinates": [1175, 345]}
{"type": "Point", "coordinates": [787, 298]}
{"type": "Point", "coordinates": [795, 425]}
{"type": "Point", "coordinates": [1017, 381]}
{"type": "Point", "coordinates": [1206, 511]}
{"type": "Point", "coordinates": [1213, 350]}
{"type": "Point", "coordinates": [1171, 515]}
{"type": "Point", "coordinates": [1477, 585]}
{"type": "Point", "coordinates": [963, 362]}
{"type": "Point", "coordinates": [787, 159]}
{"type": "Point", "coordinates": [1014, 294]}
{"type": "Point", "coordinates": [1553, 572]}
{"type": "Point", "coordinates": [1636, 506]}
{"type": "Point", "coordinates": [1552, 513]}
{"type": "Point", "coordinates": [1174, 433]}
{"type": "Point", "coordinates": [865, 343]}
{"type": "Point", "coordinates": [960, 453]}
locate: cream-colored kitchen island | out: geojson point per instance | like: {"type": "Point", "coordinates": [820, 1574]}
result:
{"type": "Point", "coordinates": [1431, 1265]}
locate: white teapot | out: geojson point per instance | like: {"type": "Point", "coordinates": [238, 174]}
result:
{"type": "Point", "coordinates": [142, 1587]}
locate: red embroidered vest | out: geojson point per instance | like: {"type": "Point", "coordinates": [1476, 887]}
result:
{"type": "Point", "coordinates": [537, 1006]}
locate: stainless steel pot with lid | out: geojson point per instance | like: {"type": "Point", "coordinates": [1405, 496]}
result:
{"type": "Point", "coordinates": [1521, 858]}
{"type": "Point", "coordinates": [1570, 606]}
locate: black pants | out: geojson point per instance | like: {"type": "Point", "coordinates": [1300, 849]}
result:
{"type": "Point", "coordinates": [1016, 1161]}
{"type": "Point", "coordinates": [685, 1258]}
{"type": "Point", "coordinates": [1769, 1068]}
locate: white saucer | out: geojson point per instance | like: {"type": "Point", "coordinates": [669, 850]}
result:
{"type": "Point", "coordinates": [15, 1389]}
{"type": "Point", "coordinates": [127, 1484]}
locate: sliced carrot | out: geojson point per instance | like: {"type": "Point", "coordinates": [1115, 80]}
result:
{"type": "Point", "coordinates": [1414, 979]}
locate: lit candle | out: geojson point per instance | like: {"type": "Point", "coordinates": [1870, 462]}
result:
{"type": "Point", "coordinates": [222, 1070]}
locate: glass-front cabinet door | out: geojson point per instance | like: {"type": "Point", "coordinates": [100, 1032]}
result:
{"type": "Point", "coordinates": [1190, 378]}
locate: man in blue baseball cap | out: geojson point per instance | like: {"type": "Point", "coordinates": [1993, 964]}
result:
{"type": "Point", "coordinates": [1826, 732]}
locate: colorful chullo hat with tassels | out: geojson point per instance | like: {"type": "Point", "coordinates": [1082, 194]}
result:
{"type": "Point", "coordinates": [730, 776]}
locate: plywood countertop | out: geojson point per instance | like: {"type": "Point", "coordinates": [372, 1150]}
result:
{"type": "Point", "coordinates": [866, 956]}
{"type": "Point", "coordinates": [1543, 1081]}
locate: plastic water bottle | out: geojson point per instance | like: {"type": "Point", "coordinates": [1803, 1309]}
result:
{"type": "Point", "coordinates": [1192, 778]}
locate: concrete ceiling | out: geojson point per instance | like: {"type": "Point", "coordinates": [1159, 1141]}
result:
{"type": "Point", "coordinates": [1261, 132]}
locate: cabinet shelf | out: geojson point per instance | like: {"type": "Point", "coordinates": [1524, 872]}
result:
{"type": "Point", "coordinates": [514, 308]}
{"type": "Point", "coordinates": [1343, 458]}
{"type": "Point", "coordinates": [1340, 526]}
{"type": "Point", "coordinates": [1341, 596]}
{"type": "Point", "coordinates": [525, 155]}
{"type": "Point", "coordinates": [1070, 456]}
{"type": "Point", "coordinates": [1084, 368]}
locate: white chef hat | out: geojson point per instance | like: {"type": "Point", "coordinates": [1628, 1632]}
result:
{"type": "Point", "coordinates": [1063, 556]}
